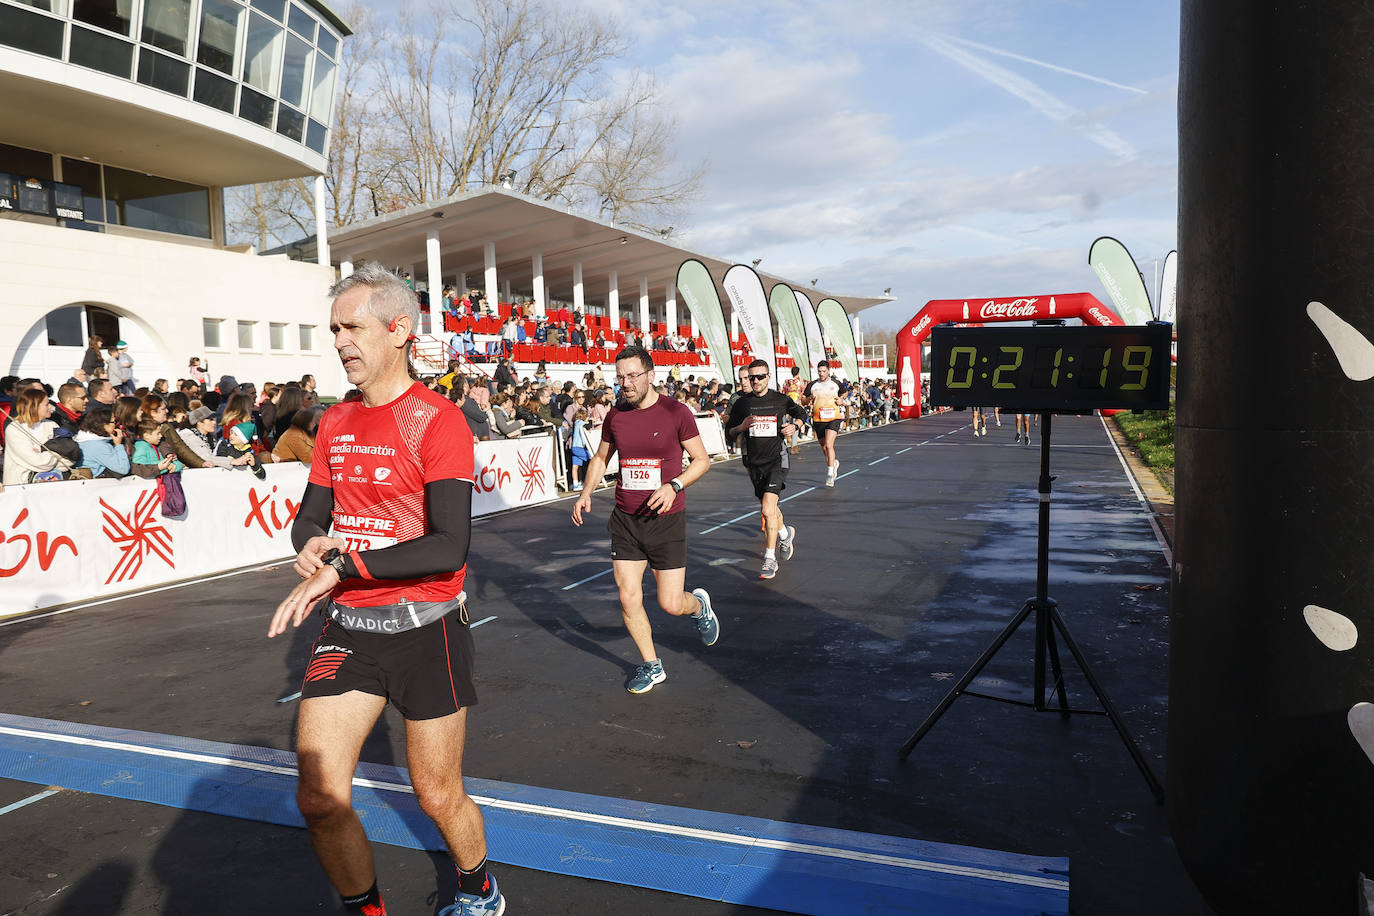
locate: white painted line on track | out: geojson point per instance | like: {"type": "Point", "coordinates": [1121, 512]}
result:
{"type": "Point", "coordinates": [847, 473]}
{"type": "Point", "coordinates": [28, 801]}
{"type": "Point", "coordinates": [879, 461]}
{"type": "Point", "coordinates": [624, 823]}
{"type": "Point", "coordinates": [24, 616]}
{"type": "Point", "coordinates": [288, 699]}
{"type": "Point", "coordinates": [910, 447]}
{"type": "Point", "coordinates": [1140, 497]}
{"type": "Point", "coordinates": [588, 579]}
{"type": "Point", "coordinates": [482, 621]}
{"type": "Point", "coordinates": [795, 495]}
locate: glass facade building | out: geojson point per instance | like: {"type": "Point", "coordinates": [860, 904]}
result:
{"type": "Point", "coordinates": [270, 62]}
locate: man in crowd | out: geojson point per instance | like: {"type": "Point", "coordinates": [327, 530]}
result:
{"type": "Point", "coordinates": [741, 389]}
{"type": "Point", "coordinates": [71, 404]}
{"type": "Point", "coordinates": [827, 398]}
{"type": "Point", "coordinates": [648, 525]}
{"type": "Point", "coordinates": [100, 391]}
{"type": "Point", "coordinates": [762, 419]}
{"type": "Point", "coordinates": [308, 383]}
{"type": "Point", "coordinates": [79, 377]}
{"type": "Point", "coordinates": [383, 533]}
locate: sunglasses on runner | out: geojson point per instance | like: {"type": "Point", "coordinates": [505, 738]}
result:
{"type": "Point", "coordinates": [759, 378]}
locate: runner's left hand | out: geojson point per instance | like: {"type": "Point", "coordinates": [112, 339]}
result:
{"type": "Point", "coordinates": [661, 500]}
{"type": "Point", "coordinates": [302, 600]}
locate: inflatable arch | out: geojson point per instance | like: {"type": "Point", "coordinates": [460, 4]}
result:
{"type": "Point", "coordinates": [1084, 306]}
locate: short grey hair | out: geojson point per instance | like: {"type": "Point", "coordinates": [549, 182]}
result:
{"type": "Point", "coordinates": [390, 298]}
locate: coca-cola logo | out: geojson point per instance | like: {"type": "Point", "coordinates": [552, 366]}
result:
{"type": "Point", "coordinates": [1099, 317]}
{"type": "Point", "coordinates": [1016, 308]}
{"type": "Point", "coordinates": [921, 326]}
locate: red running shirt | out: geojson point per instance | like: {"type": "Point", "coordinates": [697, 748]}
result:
{"type": "Point", "coordinates": [649, 445]}
{"type": "Point", "coordinates": [377, 461]}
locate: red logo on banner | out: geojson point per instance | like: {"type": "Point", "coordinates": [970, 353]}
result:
{"type": "Point", "coordinates": [136, 535]}
{"type": "Point", "coordinates": [1017, 308]}
{"type": "Point", "coordinates": [47, 549]}
{"type": "Point", "coordinates": [279, 520]}
{"type": "Point", "coordinates": [491, 478]}
{"type": "Point", "coordinates": [531, 471]}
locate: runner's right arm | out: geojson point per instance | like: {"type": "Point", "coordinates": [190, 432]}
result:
{"type": "Point", "coordinates": [596, 469]}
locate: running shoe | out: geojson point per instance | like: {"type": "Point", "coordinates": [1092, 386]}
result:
{"type": "Point", "coordinates": [1027, 442]}
{"type": "Point", "coordinates": [708, 624]}
{"type": "Point", "coordinates": [374, 909]}
{"type": "Point", "coordinates": [787, 546]}
{"type": "Point", "coordinates": [493, 904]}
{"type": "Point", "coordinates": [1016, 438]}
{"type": "Point", "coordinates": [770, 566]}
{"type": "Point", "coordinates": [642, 681]}
{"type": "Point", "coordinates": [835, 468]}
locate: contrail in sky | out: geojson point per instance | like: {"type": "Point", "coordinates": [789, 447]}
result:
{"type": "Point", "coordinates": [1042, 101]}
{"type": "Point", "coordinates": [1047, 65]}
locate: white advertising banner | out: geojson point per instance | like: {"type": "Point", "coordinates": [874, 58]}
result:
{"type": "Point", "coordinates": [513, 472]}
{"type": "Point", "coordinates": [745, 290]}
{"type": "Point", "coordinates": [814, 346]}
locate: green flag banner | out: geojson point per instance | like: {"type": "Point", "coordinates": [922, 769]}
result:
{"type": "Point", "coordinates": [1116, 269]}
{"type": "Point", "coordinates": [835, 323]}
{"type": "Point", "coordinates": [815, 350]}
{"type": "Point", "coordinates": [782, 302]}
{"type": "Point", "coordinates": [698, 291]}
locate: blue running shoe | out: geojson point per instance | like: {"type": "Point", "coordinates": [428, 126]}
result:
{"type": "Point", "coordinates": [708, 624]}
{"type": "Point", "coordinates": [646, 676]}
{"type": "Point", "coordinates": [493, 904]}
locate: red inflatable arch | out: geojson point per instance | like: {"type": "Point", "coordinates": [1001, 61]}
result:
{"type": "Point", "coordinates": [969, 311]}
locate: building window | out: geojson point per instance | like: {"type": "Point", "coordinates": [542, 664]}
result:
{"type": "Point", "coordinates": [25, 163]}
{"type": "Point", "coordinates": [274, 8]}
{"type": "Point", "coordinates": [148, 202]}
{"type": "Point", "coordinates": [29, 31]}
{"type": "Point", "coordinates": [307, 338]}
{"type": "Point", "coordinates": [290, 123]}
{"type": "Point", "coordinates": [295, 71]}
{"type": "Point", "coordinates": [322, 90]}
{"type": "Point", "coordinates": [256, 107]}
{"type": "Point", "coordinates": [163, 72]}
{"type": "Point", "coordinates": [315, 135]}
{"type": "Point", "coordinates": [101, 52]}
{"type": "Point", "coordinates": [66, 326]}
{"type": "Point", "coordinates": [276, 336]}
{"type": "Point", "coordinates": [210, 330]}
{"type": "Point", "coordinates": [114, 16]}
{"type": "Point", "coordinates": [86, 176]}
{"type": "Point", "coordinates": [262, 55]}
{"type": "Point", "coordinates": [166, 24]}
{"type": "Point", "coordinates": [301, 23]}
{"type": "Point", "coordinates": [247, 331]}
{"type": "Point", "coordinates": [328, 43]}
{"type": "Point", "coordinates": [214, 90]}
{"type": "Point", "coordinates": [219, 26]}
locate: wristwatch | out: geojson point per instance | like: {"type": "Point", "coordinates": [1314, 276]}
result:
{"type": "Point", "coordinates": [333, 558]}
{"type": "Point", "coordinates": [676, 485]}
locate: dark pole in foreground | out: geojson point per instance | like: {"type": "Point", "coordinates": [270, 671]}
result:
{"type": "Point", "coordinates": [1270, 779]}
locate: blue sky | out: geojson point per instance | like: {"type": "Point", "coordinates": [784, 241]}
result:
{"type": "Point", "coordinates": [950, 149]}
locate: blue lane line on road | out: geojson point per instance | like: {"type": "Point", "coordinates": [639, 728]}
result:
{"type": "Point", "coordinates": [28, 801]}
{"type": "Point", "coordinates": [910, 447]}
{"type": "Point", "coordinates": [290, 697]}
{"type": "Point", "coordinates": [847, 473]}
{"type": "Point", "coordinates": [730, 858]}
{"type": "Point", "coordinates": [738, 518]}
{"type": "Point", "coordinates": [474, 626]}
{"type": "Point", "coordinates": [795, 495]}
{"type": "Point", "coordinates": [603, 572]}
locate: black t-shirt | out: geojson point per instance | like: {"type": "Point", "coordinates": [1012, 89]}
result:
{"type": "Point", "coordinates": [763, 441]}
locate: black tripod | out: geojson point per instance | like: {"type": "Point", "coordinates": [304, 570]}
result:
{"type": "Point", "coordinates": [1047, 621]}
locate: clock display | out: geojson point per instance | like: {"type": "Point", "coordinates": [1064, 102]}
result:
{"type": "Point", "coordinates": [1035, 369]}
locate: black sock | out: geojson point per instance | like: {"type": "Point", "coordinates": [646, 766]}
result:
{"type": "Point", "coordinates": [356, 904]}
{"type": "Point", "coordinates": [474, 882]}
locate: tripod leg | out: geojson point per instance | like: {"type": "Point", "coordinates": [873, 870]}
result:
{"type": "Point", "coordinates": [1058, 673]}
{"type": "Point", "coordinates": [1155, 788]}
{"type": "Point", "coordinates": [964, 681]}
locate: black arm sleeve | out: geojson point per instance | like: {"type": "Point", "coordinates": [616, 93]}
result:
{"type": "Point", "coordinates": [314, 515]}
{"type": "Point", "coordinates": [443, 549]}
{"type": "Point", "coordinates": [796, 410]}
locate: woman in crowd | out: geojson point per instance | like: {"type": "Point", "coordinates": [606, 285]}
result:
{"type": "Point", "coordinates": [598, 407]}
{"type": "Point", "coordinates": [502, 422]}
{"type": "Point", "coordinates": [178, 406]}
{"type": "Point", "coordinates": [197, 373]}
{"type": "Point", "coordinates": [238, 409]}
{"type": "Point", "coordinates": [476, 417]}
{"type": "Point", "coordinates": [29, 428]}
{"type": "Point", "coordinates": [197, 436]}
{"type": "Point", "coordinates": [298, 442]}
{"type": "Point", "coordinates": [291, 400]}
{"type": "Point", "coordinates": [527, 410]}
{"type": "Point", "coordinates": [102, 444]}
{"type": "Point", "coordinates": [578, 402]}
{"type": "Point", "coordinates": [267, 412]}
{"type": "Point", "coordinates": [541, 374]}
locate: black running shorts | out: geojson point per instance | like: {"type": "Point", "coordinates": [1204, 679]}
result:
{"type": "Point", "coordinates": [426, 673]}
{"type": "Point", "coordinates": [660, 539]}
{"type": "Point", "coordinates": [768, 478]}
{"type": "Point", "coordinates": [832, 426]}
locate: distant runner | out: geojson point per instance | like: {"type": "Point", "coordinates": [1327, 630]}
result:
{"type": "Point", "coordinates": [762, 419]}
{"type": "Point", "coordinates": [648, 525]}
{"type": "Point", "coordinates": [980, 423]}
{"type": "Point", "coordinates": [827, 398]}
{"type": "Point", "coordinates": [1023, 428]}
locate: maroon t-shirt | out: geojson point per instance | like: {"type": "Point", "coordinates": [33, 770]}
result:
{"type": "Point", "coordinates": [649, 443]}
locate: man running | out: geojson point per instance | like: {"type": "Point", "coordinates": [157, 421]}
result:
{"type": "Point", "coordinates": [827, 397]}
{"type": "Point", "coordinates": [1023, 428]}
{"type": "Point", "coordinates": [648, 525]}
{"type": "Point", "coordinates": [793, 388]}
{"type": "Point", "coordinates": [382, 533]}
{"type": "Point", "coordinates": [763, 418]}
{"type": "Point", "coordinates": [980, 423]}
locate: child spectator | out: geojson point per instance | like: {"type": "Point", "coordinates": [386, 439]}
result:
{"type": "Point", "coordinates": [238, 442]}
{"type": "Point", "coordinates": [146, 460]}
{"type": "Point", "coordinates": [581, 453]}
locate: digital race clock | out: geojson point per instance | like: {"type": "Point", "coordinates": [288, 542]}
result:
{"type": "Point", "coordinates": [1034, 369]}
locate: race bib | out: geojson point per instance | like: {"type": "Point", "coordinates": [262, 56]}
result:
{"type": "Point", "coordinates": [364, 532]}
{"type": "Point", "coordinates": [640, 474]}
{"type": "Point", "coordinates": [827, 413]}
{"type": "Point", "coordinates": [764, 427]}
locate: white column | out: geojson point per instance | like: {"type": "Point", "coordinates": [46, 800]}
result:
{"type": "Point", "coordinates": [346, 267]}
{"type": "Point", "coordinates": [434, 280]}
{"type": "Point", "coordinates": [541, 305]}
{"type": "Point", "coordinates": [644, 305]}
{"type": "Point", "coordinates": [489, 261]}
{"type": "Point", "coordinates": [613, 300]}
{"type": "Point", "coordinates": [463, 284]}
{"type": "Point", "coordinates": [505, 290]}
{"type": "Point", "coordinates": [579, 300]}
{"type": "Point", "coordinates": [321, 224]}
{"type": "Point", "coordinates": [670, 307]}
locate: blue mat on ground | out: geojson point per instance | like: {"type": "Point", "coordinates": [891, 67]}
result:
{"type": "Point", "coordinates": [757, 862]}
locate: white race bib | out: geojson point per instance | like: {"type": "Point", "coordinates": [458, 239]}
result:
{"type": "Point", "coordinates": [766, 427]}
{"type": "Point", "coordinates": [827, 413]}
{"type": "Point", "coordinates": [640, 474]}
{"type": "Point", "coordinates": [363, 532]}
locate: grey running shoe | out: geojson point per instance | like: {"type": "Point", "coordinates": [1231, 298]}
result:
{"type": "Point", "coordinates": [493, 904]}
{"type": "Point", "coordinates": [708, 624]}
{"type": "Point", "coordinates": [646, 676]}
{"type": "Point", "coordinates": [787, 547]}
{"type": "Point", "coordinates": [770, 567]}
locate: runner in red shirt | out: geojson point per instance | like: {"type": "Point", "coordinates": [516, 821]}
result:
{"type": "Point", "coordinates": [648, 525]}
{"type": "Point", "coordinates": [383, 533]}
